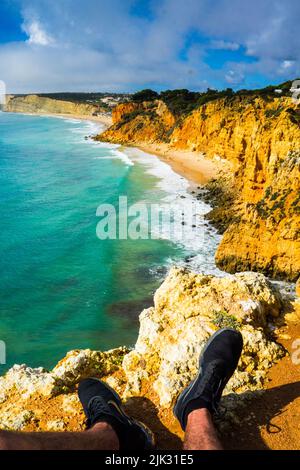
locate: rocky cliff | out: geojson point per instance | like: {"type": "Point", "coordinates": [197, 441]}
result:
{"type": "Point", "coordinates": [261, 138]}
{"type": "Point", "coordinates": [34, 104]}
{"type": "Point", "coordinates": [187, 309]}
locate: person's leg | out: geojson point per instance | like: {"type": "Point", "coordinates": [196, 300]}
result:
{"type": "Point", "coordinates": [197, 402]}
{"type": "Point", "coordinates": [100, 437]}
{"type": "Point", "coordinates": [101, 403]}
{"type": "Point", "coordinates": [200, 433]}
{"type": "Point", "coordinates": [109, 427]}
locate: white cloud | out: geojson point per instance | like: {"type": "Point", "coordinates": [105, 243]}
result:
{"type": "Point", "coordinates": [287, 64]}
{"type": "Point", "coordinates": [224, 45]}
{"type": "Point", "coordinates": [101, 45]}
{"type": "Point", "coordinates": [36, 34]}
{"type": "Point", "coordinates": [234, 77]}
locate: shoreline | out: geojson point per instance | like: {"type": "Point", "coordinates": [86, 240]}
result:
{"type": "Point", "coordinates": [103, 119]}
{"type": "Point", "coordinates": [193, 166]}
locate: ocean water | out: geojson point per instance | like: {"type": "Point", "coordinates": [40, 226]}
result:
{"type": "Point", "coordinates": [61, 287]}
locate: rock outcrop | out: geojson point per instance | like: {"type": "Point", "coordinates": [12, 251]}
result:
{"type": "Point", "coordinates": [136, 123]}
{"type": "Point", "coordinates": [261, 139]}
{"type": "Point", "coordinates": [187, 309]}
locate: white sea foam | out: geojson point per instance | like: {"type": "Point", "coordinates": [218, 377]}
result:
{"type": "Point", "coordinates": [74, 121]}
{"type": "Point", "coordinates": [101, 144]}
{"type": "Point", "coordinates": [114, 152]}
{"type": "Point", "coordinates": [122, 156]}
{"type": "Point", "coordinates": [116, 155]}
{"type": "Point", "coordinates": [86, 127]}
{"type": "Point", "coordinates": [200, 241]}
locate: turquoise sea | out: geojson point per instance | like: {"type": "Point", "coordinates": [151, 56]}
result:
{"type": "Point", "coordinates": [61, 287]}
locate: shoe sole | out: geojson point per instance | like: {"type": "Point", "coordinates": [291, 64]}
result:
{"type": "Point", "coordinates": [189, 388]}
{"type": "Point", "coordinates": [149, 436]}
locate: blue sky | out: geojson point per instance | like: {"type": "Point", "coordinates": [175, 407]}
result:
{"type": "Point", "coordinates": [126, 45]}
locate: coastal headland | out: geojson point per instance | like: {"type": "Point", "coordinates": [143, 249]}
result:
{"type": "Point", "coordinates": [40, 105]}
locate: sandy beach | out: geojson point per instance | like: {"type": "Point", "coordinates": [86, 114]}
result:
{"type": "Point", "coordinates": [194, 166]}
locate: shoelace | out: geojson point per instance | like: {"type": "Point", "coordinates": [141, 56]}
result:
{"type": "Point", "coordinates": [97, 406]}
{"type": "Point", "coordinates": [212, 382]}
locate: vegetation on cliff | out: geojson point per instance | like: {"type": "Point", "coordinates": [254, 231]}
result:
{"type": "Point", "coordinates": [182, 101]}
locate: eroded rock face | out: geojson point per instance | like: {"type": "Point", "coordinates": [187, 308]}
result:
{"type": "Point", "coordinates": [139, 123]}
{"type": "Point", "coordinates": [188, 308]}
{"type": "Point", "coordinates": [264, 234]}
{"type": "Point", "coordinates": [26, 381]}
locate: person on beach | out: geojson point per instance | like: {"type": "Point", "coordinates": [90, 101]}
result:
{"type": "Point", "coordinates": [110, 428]}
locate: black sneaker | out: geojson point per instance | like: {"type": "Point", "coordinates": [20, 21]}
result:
{"type": "Point", "coordinates": [102, 404]}
{"type": "Point", "coordinates": [217, 363]}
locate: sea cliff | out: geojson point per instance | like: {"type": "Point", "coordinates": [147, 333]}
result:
{"type": "Point", "coordinates": [34, 104]}
{"type": "Point", "coordinates": [257, 202]}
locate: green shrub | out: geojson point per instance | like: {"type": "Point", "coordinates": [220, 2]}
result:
{"type": "Point", "coordinates": [223, 320]}
{"type": "Point", "coordinates": [294, 115]}
{"type": "Point", "coordinates": [145, 95]}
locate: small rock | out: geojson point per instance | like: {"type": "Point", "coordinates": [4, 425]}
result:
{"type": "Point", "coordinates": [70, 404]}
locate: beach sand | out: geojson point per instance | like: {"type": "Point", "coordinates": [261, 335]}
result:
{"type": "Point", "coordinates": [194, 166]}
